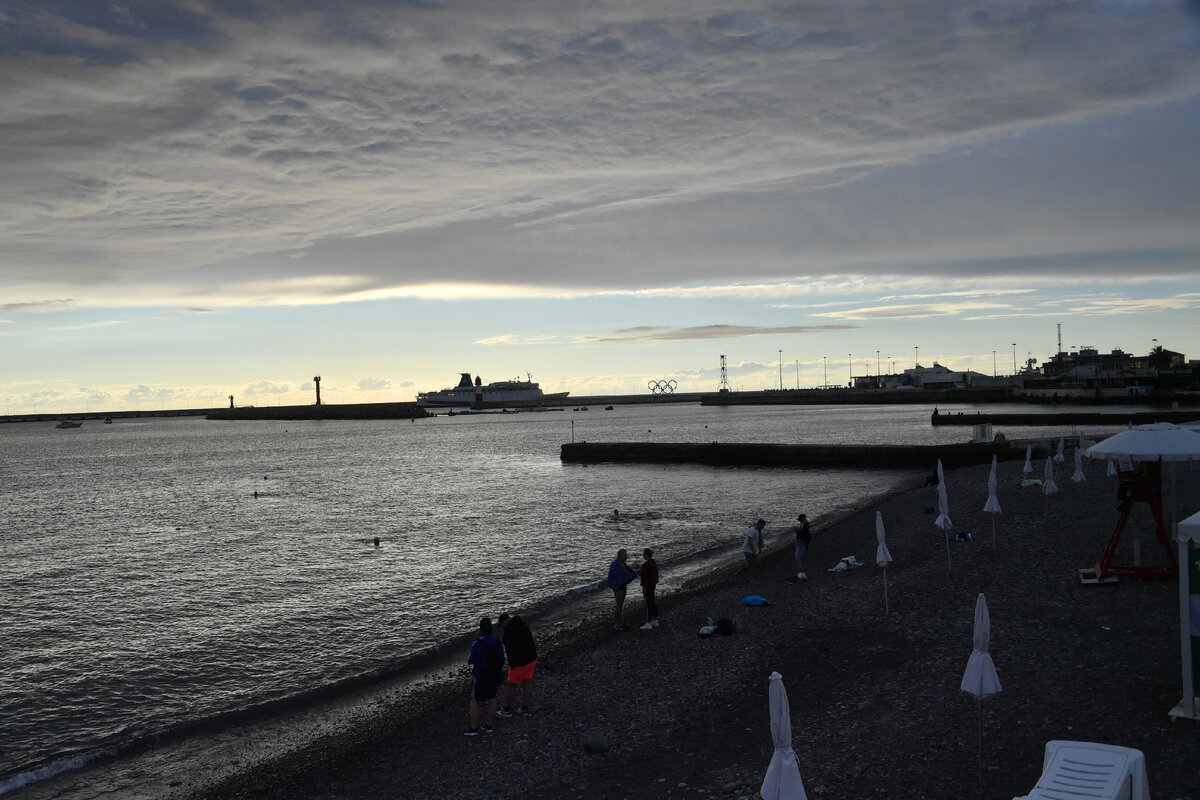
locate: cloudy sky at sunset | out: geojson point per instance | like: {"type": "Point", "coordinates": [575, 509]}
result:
{"type": "Point", "coordinates": [214, 197]}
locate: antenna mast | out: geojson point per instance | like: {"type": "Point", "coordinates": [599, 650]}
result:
{"type": "Point", "coordinates": [724, 377]}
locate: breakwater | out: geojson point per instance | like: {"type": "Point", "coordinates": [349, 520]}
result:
{"type": "Point", "coordinates": [794, 455]}
{"type": "Point", "coordinates": [1065, 418]}
{"type": "Point", "coordinates": [323, 411]}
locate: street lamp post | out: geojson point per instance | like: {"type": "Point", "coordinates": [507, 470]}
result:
{"type": "Point", "coordinates": [781, 370]}
{"type": "Point", "coordinates": [1014, 358]}
{"type": "Point", "coordinates": [825, 370]}
{"type": "Point", "coordinates": [877, 373]}
{"type": "Point", "coordinates": [797, 374]}
{"type": "Point", "coordinates": [917, 356]}
{"type": "Point", "coordinates": [993, 363]}
{"type": "Point", "coordinates": [850, 364]}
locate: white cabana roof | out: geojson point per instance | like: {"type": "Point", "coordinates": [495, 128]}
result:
{"type": "Point", "coordinates": [1189, 529]}
{"type": "Point", "coordinates": [1150, 442]}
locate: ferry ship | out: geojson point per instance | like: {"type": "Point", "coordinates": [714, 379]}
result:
{"type": "Point", "coordinates": [512, 394]}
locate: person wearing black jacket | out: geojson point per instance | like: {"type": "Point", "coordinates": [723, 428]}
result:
{"type": "Point", "coordinates": [522, 660]}
{"type": "Point", "coordinates": [649, 576]}
{"type": "Point", "coordinates": [803, 537]}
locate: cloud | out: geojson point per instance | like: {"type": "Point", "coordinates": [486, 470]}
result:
{"type": "Point", "coordinates": [85, 326]}
{"type": "Point", "coordinates": [373, 384]}
{"type": "Point", "coordinates": [909, 311]}
{"type": "Point", "coordinates": [268, 388]}
{"type": "Point", "coordinates": [513, 340]}
{"type": "Point", "coordinates": [141, 392]}
{"type": "Point", "coordinates": [1104, 306]}
{"type": "Point", "coordinates": [256, 153]}
{"type": "Point", "coordinates": [36, 306]}
{"type": "Point", "coordinates": [657, 334]}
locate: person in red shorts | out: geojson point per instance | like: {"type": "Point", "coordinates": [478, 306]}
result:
{"type": "Point", "coordinates": [522, 660]}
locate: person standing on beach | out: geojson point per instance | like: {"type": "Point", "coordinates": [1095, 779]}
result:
{"type": "Point", "coordinates": [522, 660]}
{"type": "Point", "coordinates": [620, 574]}
{"type": "Point", "coordinates": [649, 578]}
{"type": "Point", "coordinates": [487, 662]}
{"type": "Point", "coordinates": [753, 545]}
{"type": "Point", "coordinates": [803, 537]}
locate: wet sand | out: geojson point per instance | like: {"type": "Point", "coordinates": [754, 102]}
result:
{"type": "Point", "coordinates": [877, 711]}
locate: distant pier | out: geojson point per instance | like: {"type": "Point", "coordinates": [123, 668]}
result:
{"type": "Point", "coordinates": [794, 455]}
{"type": "Point", "coordinates": [1065, 418]}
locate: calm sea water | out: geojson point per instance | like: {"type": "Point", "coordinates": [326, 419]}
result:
{"type": "Point", "coordinates": [145, 589]}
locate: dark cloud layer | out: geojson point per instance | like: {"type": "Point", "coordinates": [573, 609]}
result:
{"type": "Point", "coordinates": [198, 150]}
{"type": "Point", "coordinates": [657, 334]}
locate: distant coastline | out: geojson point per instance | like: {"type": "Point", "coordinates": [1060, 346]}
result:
{"type": "Point", "coordinates": [410, 410]}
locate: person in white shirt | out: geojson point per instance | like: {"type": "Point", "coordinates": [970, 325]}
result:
{"type": "Point", "coordinates": [753, 545]}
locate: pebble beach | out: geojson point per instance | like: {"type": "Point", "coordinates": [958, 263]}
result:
{"type": "Point", "coordinates": [876, 705]}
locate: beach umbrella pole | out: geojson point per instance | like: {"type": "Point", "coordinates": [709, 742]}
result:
{"type": "Point", "coordinates": [885, 602]}
{"type": "Point", "coordinates": [982, 791]}
{"type": "Point", "coordinates": [993, 530]}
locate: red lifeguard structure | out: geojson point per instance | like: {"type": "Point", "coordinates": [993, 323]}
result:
{"type": "Point", "coordinates": [1140, 484]}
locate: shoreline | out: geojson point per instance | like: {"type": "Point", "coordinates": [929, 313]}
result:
{"type": "Point", "coordinates": [871, 695]}
{"type": "Point", "coordinates": [224, 748]}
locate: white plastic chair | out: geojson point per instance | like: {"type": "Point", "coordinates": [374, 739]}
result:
{"type": "Point", "coordinates": [1079, 770]}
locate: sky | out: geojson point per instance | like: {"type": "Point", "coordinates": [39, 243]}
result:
{"type": "Point", "coordinates": [207, 198]}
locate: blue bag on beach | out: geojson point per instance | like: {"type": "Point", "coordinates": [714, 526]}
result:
{"type": "Point", "coordinates": [755, 600]}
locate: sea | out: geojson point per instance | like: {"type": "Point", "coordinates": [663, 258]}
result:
{"type": "Point", "coordinates": [166, 582]}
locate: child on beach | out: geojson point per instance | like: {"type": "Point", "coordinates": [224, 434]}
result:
{"type": "Point", "coordinates": [649, 579]}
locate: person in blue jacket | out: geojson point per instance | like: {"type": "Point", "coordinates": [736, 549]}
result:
{"type": "Point", "coordinates": [620, 574]}
{"type": "Point", "coordinates": [487, 668]}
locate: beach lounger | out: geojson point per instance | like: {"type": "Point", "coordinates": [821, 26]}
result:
{"type": "Point", "coordinates": [1081, 770]}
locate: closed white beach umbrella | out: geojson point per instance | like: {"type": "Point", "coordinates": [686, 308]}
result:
{"type": "Point", "coordinates": [1028, 468]}
{"type": "Point", "coordinates": [980, 678]}
{"type": "Point", "coordinates": [943, 519]}
{"type": "Point", "coordinates": [1048, 484]}
{"type": "Point", "coordinates": [882, 556]}
{"type": "Point", "coordinates": [992, 506]}
{"type": "Point", "coordinates": [1059, 457]}
{"type": "Point", "coordinates": [782, 781]}
{"type": "Point", "coordinates": [1079, 477]}
{"type": "Point", "coordinates": [1112, 469]}
{"type": "Point", "coordinates": [941, 474]}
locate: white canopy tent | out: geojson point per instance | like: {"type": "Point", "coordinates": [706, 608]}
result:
{"type": "Point", "coordinates": [1159, 441]}
{"type": "Point", "coordinates": [1188, 540]}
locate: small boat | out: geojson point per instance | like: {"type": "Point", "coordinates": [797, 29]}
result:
{"type": "Point", "coordinates": [69, 423]}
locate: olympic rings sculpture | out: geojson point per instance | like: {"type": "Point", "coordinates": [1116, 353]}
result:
{"type": "Point", "coordinates": [662, 387]}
